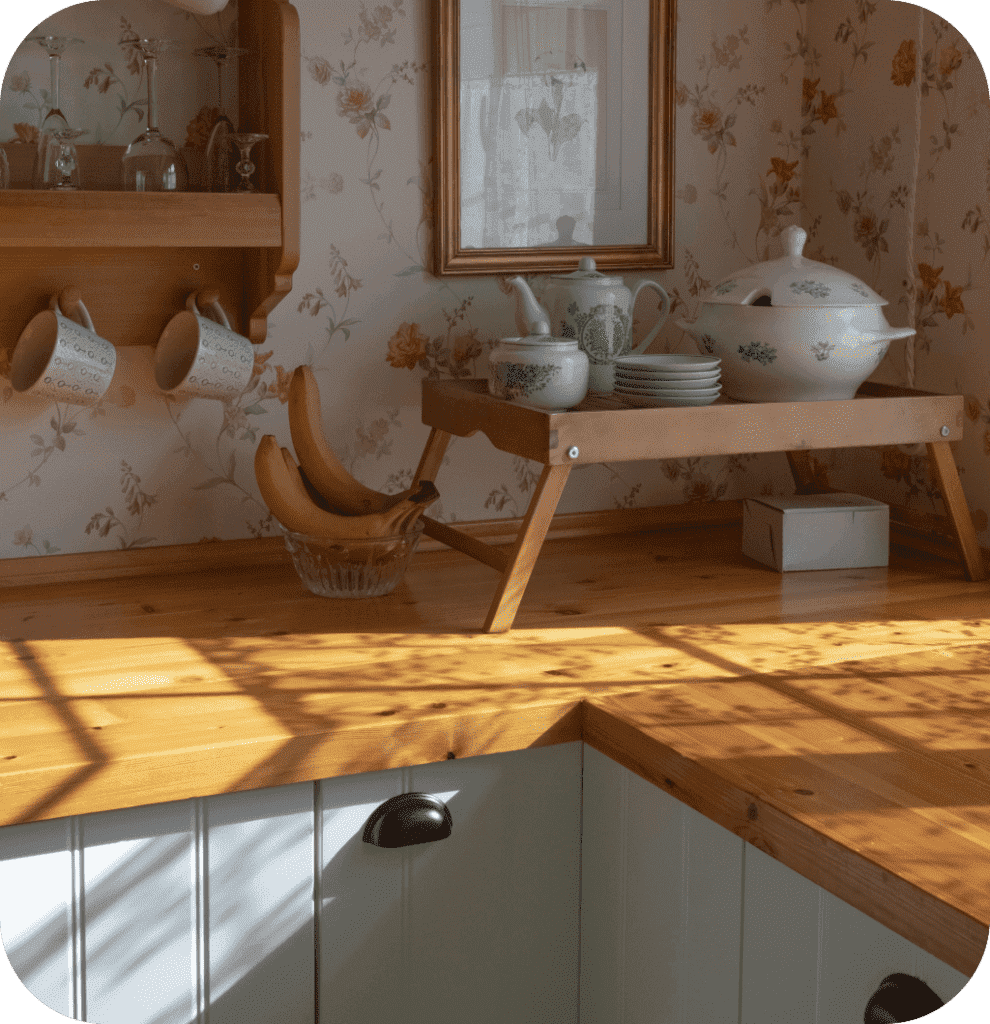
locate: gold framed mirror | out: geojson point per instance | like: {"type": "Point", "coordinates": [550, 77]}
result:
{"type": "Point", "coordinates": [554, 135]}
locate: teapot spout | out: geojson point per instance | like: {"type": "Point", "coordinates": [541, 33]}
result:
{"type": "Point", "coordinates": [528, 310]}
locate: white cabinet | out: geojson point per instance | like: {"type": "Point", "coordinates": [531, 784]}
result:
{"type": "Point", "coordinates": [151, 914]}
{"type": "Point", "coordinates": [570, 891]}
{"type": "Point", "coordinates": [155, 914]}
{"type": "Point", "coordinates": [682, 921]}
{"type": "Point", "coordinates": [481, 926]}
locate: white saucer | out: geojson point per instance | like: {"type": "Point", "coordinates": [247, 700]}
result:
{"type": "Point", "coordinates": [670, 361]}
{"type": "Point", "coordinates": [709, 381]}
{"type": "Point", "coordinates": [642, 401]}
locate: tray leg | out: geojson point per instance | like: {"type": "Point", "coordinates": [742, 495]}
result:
{"type": "Point", "coordinates": [947, 477]}
{"type": "Point", "coordinates": [433, 453]}
{"type": "Point", "coordinates": [803, 471]}
{"type": "Point", "coordinates": [526, 549]}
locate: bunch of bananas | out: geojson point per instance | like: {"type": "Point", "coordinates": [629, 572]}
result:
{"type": "Point", "coordinates": [320, 498]}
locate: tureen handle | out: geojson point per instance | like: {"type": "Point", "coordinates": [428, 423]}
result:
{"type": "Point", "coordinates": [794, 240]}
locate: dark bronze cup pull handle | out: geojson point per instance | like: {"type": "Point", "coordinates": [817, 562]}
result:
{"type": "Point", "coordinates": [900, 997]}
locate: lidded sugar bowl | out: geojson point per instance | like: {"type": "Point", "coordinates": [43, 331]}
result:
{"type": "Point", "coordinates": [539, 371]}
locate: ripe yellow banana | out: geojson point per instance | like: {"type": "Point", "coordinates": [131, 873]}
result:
{"type": "Point", "coordinates": [322, 467]}
{"type": "Point", "coordinates": [285, 494]}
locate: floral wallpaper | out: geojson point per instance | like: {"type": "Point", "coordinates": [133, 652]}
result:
{"type": "Point", "coordinates": [865, 122]}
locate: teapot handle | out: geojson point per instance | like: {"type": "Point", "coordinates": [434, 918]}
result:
{"type": "Point", "coordinates": [664, 312]}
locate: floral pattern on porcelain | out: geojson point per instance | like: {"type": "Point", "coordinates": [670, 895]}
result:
{"type": "Point", "coordinates": [763, 354]}
{"type": "Point", "coordinates": [814, 288]}
{"type": "Point", "coordinates": [602, 333]}
{"type": "Point", "coordinates": [517, 380]}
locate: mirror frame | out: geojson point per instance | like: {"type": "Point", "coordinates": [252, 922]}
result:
{"type": "Point", "coordinates": [658, 252]}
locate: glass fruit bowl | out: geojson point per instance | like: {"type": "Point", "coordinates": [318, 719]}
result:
{"type": "Point", "coordinates": [349, 567]}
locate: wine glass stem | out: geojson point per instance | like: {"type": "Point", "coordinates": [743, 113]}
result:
{"type": "Point", "coordinates": [150, 64]}
{"type": "Point", "coordinates": [220, 64]}
{"type": "Point", "coordinates": [54, 60]}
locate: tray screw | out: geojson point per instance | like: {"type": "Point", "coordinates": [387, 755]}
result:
{"type": "Point", "coordinates": [573, 452]}
{"type": "Point", "coordinates": [945, 431]}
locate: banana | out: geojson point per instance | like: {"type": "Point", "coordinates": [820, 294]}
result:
{"type": "Point", "coordinates": [322, 467]}
{"type": "Point", "coordinates": [284, 492]}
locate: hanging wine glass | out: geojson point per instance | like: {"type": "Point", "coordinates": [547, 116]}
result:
{"type": "Point", "coordinates": [216, 166]}
{"type": "Point", "coordinates": [245, 168]}
{"type": "Point", "coordinates": [55, 120]}
{"type": "Point", "coordinates": [151, 163]}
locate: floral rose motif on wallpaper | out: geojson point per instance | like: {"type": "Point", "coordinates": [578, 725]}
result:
{"type": "Point", "coordinates": [905, 62]}
{"type": "Point", "coordinates": [936, 298]}
{"type": "Point", "coordinates": [741, 158]}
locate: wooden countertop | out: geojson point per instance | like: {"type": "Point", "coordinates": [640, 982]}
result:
{"type": "Point", "coordinates": [839, 721]}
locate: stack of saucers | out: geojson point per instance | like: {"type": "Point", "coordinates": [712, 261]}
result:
{"type": "Point", "coordinates": [667, 380]}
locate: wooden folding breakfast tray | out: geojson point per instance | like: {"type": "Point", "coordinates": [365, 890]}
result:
{"type": "Point", "coordinates": [602, 430]}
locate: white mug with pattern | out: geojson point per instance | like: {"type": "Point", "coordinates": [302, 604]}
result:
{"type": "Point", "coordinates": [200, 358]}
{"type": "Point", "coordinates": [60, 360]}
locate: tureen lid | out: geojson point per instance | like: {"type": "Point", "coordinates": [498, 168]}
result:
{"type": "Point", "coordinates": [587, 271]}
{"type": "Point", "coordinates": [793, 280]}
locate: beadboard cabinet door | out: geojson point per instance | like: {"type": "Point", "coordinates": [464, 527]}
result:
{"type": "Point", "coordinates": [661, 908]}
{"type": "Point", "coordinates": [173, 913]}
{"type": "Point", "coordinates": [683, 921]}
{"type": "Point", "coordinates": [203, 911]}
{"type": "Point", "coordinates": [481, 926]}
{"type": "Point", "coordinates": [809, 955]}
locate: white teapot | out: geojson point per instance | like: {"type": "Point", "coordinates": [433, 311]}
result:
{"type": "Point", "coordinates": [593, 309]}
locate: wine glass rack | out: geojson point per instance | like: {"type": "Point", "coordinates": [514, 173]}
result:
{"type": "Point", "coordinates": [136, 256]}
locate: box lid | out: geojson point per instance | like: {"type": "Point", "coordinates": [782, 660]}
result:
{"type": "Point", "coordinates": [817, 502]}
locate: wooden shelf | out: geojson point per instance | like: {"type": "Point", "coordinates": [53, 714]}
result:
{"type": "Point", "coordinates": [138, 220]}
{"type": "Point", "coordinates": [135, 257]}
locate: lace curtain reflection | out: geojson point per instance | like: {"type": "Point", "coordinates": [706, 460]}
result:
{"type": "Point", "coordinates": [528, 160]}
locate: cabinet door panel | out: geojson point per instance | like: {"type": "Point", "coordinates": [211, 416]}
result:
{"type": "Point", "coordinates": [780, 942]}
{"type": "Point", "coordinates": [169, 913]}
{"type": "Point", "coordinates": [139, 915]}
{"type": "Point", "coordinates": [480, 926]}
{"type": "Point", "coordinates": [858, 953]}
{"type": "Point", "coordinates": [38, 911]}
{"type": "Point", "coordinates": [495, 907]}
{"type": "Point", "coordinates": [359, 899]}
{"type": "Point", "coordinates": [661, 894]}
{"type": "Point", "coordinates": [259, 907]}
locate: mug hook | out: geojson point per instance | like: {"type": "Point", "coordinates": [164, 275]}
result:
{"type": "Point", "coordinates": [68, 302]}
{"type": "Point", "coordinates": [208, 298]}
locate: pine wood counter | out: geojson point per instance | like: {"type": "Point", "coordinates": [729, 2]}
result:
{"type": "Point", "coordinates": [839, 721]}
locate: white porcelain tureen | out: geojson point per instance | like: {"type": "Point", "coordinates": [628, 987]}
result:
{"type": "Point", "coordinates": [793, 329]}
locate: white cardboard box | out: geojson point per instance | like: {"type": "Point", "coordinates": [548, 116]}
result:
{"type": "Point", "coordinates": [816, 531]}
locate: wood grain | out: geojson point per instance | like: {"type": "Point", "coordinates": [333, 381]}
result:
{"type": "Point", "coordinates": [668, 651]}
{"type": "Point", "coordinates": [725, 428]}
{"type": "Point", "coordinates": [946, 475]}
{"type": "Point", "coordinates": [526, 549]}
{"type": "Point", "coordinates": [130, 293]}
{"type": "Point", "coordinates": [106, 220]}
{"type": "Point", "coordinates": [268, 91]}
